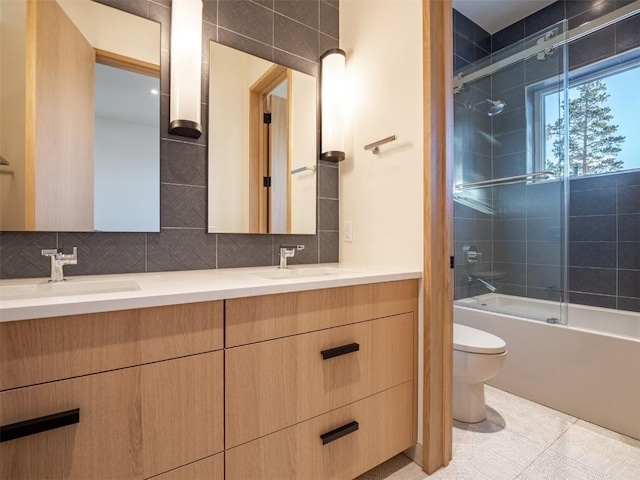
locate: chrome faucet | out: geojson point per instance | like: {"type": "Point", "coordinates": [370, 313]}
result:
{"type": "Point", "coordinates": [288, 252]}
{"type": "Point", "coordinates": [59, 260]}
{"type": "Point", "coordinates": [471, 278]}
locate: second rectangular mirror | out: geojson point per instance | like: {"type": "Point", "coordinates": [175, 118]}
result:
{"type": "Point", "coordinates": [262, 145]}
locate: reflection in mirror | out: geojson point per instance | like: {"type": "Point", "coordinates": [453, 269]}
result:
{"type": "Point", "coordinates": [262, 145]}
{"type": "Point", "coordinates": [79, 117]}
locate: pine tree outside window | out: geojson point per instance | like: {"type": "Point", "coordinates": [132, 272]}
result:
{"type": "Point", "coordinates": [604, 122]}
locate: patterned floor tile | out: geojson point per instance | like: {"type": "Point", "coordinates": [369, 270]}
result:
{"type": "Point", "coordinates": [602, 452]}
{"type": "Point", "coordinates": [554, 466]}
{"type": "Point", "coordinates": [532, 420]}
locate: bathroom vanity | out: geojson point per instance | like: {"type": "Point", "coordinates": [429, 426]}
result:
{"type": "Point", "coordinates": [211, 374]}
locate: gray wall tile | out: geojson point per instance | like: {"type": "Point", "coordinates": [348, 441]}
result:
{"type": "Point", "coordinates": [245, 250]}
{"type": "Point", "coordinates": [180, 250]}
{"type": "Point", "coordinates": [21, 254]}
{"type": "Point", "coordinates": [329, 246]}
{"type": "Point", "coordinates": [304, 11]}
{"type": "Point", "coordinates": [102, 253]}
{"type": "Point", "coordinates": [328, 213]}
{"type": "Point", "coordinates": [295, 38]}
{"type": "Point", "coordinates": [329, 20]}
{"type": "Point", "coordinates": [246, 18]}
{"type": "Point", "coordinates": [183, 206]}
{"type": "Point", "coordinates": [183, 163]}
{"type": "Point", "coordinates": [328, 179]}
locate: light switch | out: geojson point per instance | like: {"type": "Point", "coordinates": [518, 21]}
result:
{"type": "Point", "coordinates": [348, 231]}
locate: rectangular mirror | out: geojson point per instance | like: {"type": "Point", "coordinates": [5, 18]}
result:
{"type": "Point", "coordinates": [262, 145]}
{"type": "Point", "coordinates": [79, 118]}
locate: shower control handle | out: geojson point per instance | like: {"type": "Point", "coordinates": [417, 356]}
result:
{"type": "Point", "coordinates": [471, 254]}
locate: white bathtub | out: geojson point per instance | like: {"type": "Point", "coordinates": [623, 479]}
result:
{"type": "Point", "coordinates": [589, 368]}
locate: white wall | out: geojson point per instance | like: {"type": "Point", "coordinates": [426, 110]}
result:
{"type": "Point", "coordinates": [127, 169]}
{"type": "Point", "coordinates": [382, 195]}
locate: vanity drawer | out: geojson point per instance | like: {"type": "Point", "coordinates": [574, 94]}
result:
{"type": "Point", "coordinates": [134, 422]}
{"type": "Point", "coordinates": [210, 468]}
{"type": "Point", "coordinates": [255, 319]}
{"type": "Point", "coordinates": [384, 430]}
{"type": "Point", "coordinates": [48, 349]}
{"type": "Point", "coordinates": [275, 384]}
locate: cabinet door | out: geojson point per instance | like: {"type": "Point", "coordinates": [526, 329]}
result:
{"type": "Point", "coordinates": [134, 423]}
{"type": "Point", "coordinates": [384, 429]}
{"type": "Point", "coordinates": [275, 384]}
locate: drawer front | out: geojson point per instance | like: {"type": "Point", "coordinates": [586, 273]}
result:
{"type": "Point", "coordinates": [255, 319]}
{"type": "Point", "coordinates": [276, 384]}
{"type": "Point", "coordinates": [133, 423]}
{"type": "Point", "coordinates": [384, 430]}
{"type": "Point", "coordinates": [211, 468]}
{"type": "Point", "coordinates": [49, 349]}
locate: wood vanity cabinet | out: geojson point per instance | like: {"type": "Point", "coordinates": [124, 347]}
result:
{"type": "Point", "coordinates": [148, 384]}
{"type": "Point", "coordinates": [320, 384]}
{"type": "Point", "coordinates": [307, 385]}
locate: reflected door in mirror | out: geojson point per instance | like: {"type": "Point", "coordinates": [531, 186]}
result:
{"type": "Point", "coordinates": [262, 131]}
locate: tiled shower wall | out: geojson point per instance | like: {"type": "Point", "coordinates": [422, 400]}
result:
{"type": "Point", "coordinates": [292, 33]}
{"type": "Point", "coordinates": [521, 246]}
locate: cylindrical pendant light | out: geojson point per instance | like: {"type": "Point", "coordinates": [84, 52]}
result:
{"type": "Point", "coordinates": [333, 91]}
{"type": "Point", "coordinates": [186, 65]}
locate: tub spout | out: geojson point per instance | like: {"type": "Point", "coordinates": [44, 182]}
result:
{"type": "Point", "coordinates": [471, 278]}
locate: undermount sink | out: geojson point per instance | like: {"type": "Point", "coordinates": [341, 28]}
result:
{"type": "Point", "coordinates": [66, 288]}
{"type": "Point", "coordinates": [300, 273]}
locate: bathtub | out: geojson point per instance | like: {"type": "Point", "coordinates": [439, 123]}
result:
{"type": "Point", "coordinates": [589, 368]}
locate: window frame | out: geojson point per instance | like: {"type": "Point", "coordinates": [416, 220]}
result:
{"type": "Point", "coordinates": [537, 92]}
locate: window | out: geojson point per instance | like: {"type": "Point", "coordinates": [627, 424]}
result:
{"type": "Point", "coordinates": [604, 134]}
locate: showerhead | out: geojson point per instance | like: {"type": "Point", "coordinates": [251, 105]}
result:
{"type": "Point", "coordinates": [497, 106]}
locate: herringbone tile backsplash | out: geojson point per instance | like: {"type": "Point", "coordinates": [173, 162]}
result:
{"type": "Point", "coordinates": [293, 33]}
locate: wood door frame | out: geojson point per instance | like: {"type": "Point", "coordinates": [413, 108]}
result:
{"type": "Point", "coordinates": [258, 196]}
{"type": "Point", "coordinates": [437, 28]}
{"type": "Point", "coordinates": [130, 64]}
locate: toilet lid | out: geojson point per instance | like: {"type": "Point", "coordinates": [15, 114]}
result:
{"type": "Point", "coordinates": [472, 340]}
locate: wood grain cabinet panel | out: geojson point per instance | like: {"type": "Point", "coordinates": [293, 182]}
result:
{"type": "Point", "coordinates": [48, 349]}
{"type": "Point", "coordinates": [276, 384]}
{"type": "Point", "coordinates": [384, 430]}
{"type": "Point", "coordinates": [211, 468]}
{"type": "Point", "coordinates": [255, 319]}
{"type": "Point", "coordinates": [134, 422]}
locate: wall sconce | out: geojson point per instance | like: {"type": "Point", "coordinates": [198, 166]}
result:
{"type": "Point", "coordinates": [333, 92]}
{"type": "Point", "coordinates": [186, 65]}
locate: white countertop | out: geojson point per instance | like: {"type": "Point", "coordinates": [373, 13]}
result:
{"type": "Point", "coordinates": [170, 288]}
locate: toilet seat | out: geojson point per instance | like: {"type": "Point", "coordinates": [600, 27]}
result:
{"type": "Point", "coordinates": [472, 340]}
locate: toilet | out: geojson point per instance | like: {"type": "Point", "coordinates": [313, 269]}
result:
{"type": "Point", "coordinates": [477, 357]}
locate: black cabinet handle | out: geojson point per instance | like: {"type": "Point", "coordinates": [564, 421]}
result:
{"type": "Point", "coordinates": [39, 425]}
{"type": "Point", "coordinates": [339, 432]}
{"type": "Point", "coordinates": [343, 350]}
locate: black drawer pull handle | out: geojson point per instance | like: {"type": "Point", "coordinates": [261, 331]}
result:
{"type": "Point", "coordinates": [339, 432]}
{"type": "Point", "coordinates": [343, 350]}
{"type": "Point", "coordinates": [39, 425]}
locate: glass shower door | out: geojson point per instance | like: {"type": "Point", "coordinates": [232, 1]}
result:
{"type": "Point", "coordinates": [510, 212]}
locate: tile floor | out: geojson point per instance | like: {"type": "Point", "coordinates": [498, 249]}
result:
{"type": "Point", "coordinates": [524, 440]}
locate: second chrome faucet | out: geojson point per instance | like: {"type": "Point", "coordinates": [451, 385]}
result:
{"type": "Point", "coordinates": [288, 251]}
{"type": "Point", "coordinates": [59, 260]}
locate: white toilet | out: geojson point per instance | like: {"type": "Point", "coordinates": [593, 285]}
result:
{"type": "Point", "coordinates": [477, 357]}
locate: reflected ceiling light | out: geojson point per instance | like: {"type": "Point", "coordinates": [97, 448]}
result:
{"type": "Point", "coordinates": [153, 91]}
{"type": "Point", "coordinates": [186, 60]}
{"type": "Point", "coordinates": [333, 93]}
